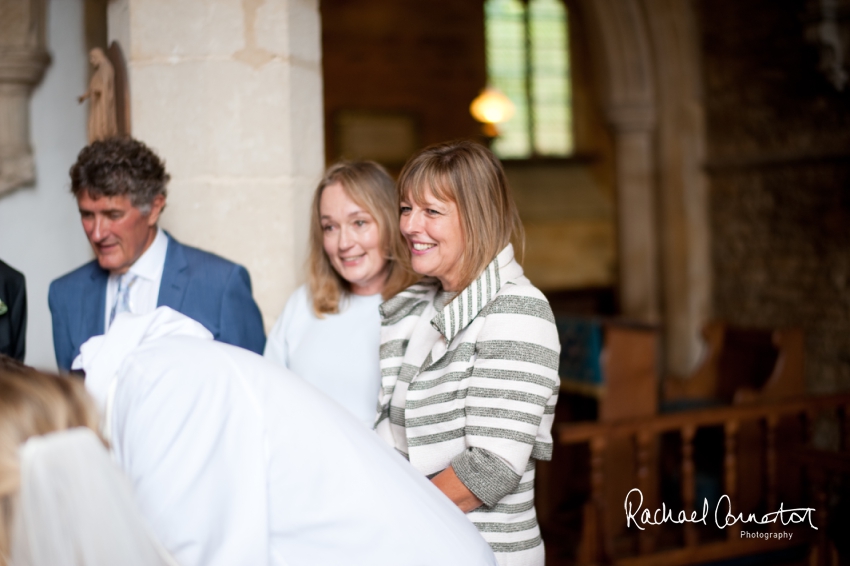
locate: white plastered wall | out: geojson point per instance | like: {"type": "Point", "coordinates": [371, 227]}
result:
{"type": "Point", "coordinates": [40, 233]}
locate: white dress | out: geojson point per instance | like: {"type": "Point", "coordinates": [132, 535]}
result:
{"type": "Point", "coordinates": [234, 460]}
{"type": "Point", "coordinates": [338, 354]}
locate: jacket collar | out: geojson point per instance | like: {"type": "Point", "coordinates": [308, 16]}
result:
{"type": "Point", "coordinates": [151, 263]}
{"type": "Point", "coordinates": [462, 310]}
{"type": "Point", "coordinates": [94, 304]}
{"type": "Point", "coordinates": [175, 278]}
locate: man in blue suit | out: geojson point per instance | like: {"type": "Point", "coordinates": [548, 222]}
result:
{"type": "Point", "coordinates": [120, 187]}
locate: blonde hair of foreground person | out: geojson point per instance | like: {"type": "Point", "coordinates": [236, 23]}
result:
{"type": "Point", "coordinates": [32, 404]}
{"type": "Point", "coordinates": [469, 175]}
{"type": "Point", "coordinates": [371, 187]}
{"type": "Point", "coordinates": [62, 501]}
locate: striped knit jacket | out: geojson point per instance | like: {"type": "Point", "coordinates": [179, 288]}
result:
{"type": "Point", "coordinates": [473, 384]}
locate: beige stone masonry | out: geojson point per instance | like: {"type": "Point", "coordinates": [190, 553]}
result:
{"type": "Point", "coordinates": [647, 62]}
{"type": "Point", "coordinates": [229, 93]}
{"type": "Point", "coordinates": [23, 59]}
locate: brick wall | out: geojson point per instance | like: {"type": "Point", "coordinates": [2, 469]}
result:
{"type": "Point", "coordinates": [779, 170]}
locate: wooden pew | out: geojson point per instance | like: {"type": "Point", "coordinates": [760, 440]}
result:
{"type": "Point", "coordinates": [596, 543]}
{"type": "Point", "coordinates": [742, 365]}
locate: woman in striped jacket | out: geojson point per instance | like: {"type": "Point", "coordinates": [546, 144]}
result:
{"type": "Point", "coordinates": [469, 356]}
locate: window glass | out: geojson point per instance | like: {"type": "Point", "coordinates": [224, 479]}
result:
{"type": "Point", "coordinates": [528, 60]}
{"type": "Point", "coordinates": [506, 70]}
{"type": "Point", "coordinates": [550, 88]}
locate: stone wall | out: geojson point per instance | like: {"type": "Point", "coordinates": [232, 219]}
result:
{"type": "Point", "coordinates": [570, 237]}
{"type": "Point", "coordinates": [229, 93]}
{"type": "Point", "coordinates": [779, 170]}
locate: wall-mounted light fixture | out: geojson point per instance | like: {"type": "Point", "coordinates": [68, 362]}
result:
{"type": "Point", "coordinates": [491, 108]}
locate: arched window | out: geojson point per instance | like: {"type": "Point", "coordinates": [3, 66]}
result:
{"type": "Point", "coordinates": [528, 60]}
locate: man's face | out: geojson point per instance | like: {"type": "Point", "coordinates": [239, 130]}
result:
{"type": "Point", "coordinates": [118, 231]}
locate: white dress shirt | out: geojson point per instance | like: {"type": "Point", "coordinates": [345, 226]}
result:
{"type": "Point", "coordinates": [235, 460]}
{"type": "Point", "coordinates": [144, 293]}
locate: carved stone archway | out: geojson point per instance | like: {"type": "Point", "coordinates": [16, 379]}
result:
{"type": "Point", "coordinates": [624, 61]}
{"type": "Point", "coordinates": [684, 232]}
{"type": "Point", "coordinates": [647, 59]}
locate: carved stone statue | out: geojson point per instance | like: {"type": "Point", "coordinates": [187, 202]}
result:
{"type": "Point", "coordinates": [101, 95]}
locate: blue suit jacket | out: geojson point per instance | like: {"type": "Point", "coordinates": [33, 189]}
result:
{"type": "Point", "coordinates": [201, 285]}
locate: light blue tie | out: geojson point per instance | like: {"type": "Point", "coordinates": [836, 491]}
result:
{"type": "Point", "coordinates": [122, 297]}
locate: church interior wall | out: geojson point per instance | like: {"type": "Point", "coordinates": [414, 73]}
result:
{"type": "Point", "coordinates": [40, 232]}
{"type": "Point", "coordinates": [683, 235]}
{"type": "Point", "coordinates": [568, 205]}
{"type": "Point", "coordinates": [753, 141]}
{"type": "Point", "coordinates": [777, 133]}
{"type": "Point", "coordinates": [568, 221]}
{"type": "Point", "coordinates": [427, 61]}
{"type": "Point", "coordinates": [778, 139]}
{"type": "Point", "coordinates": [424, 59]}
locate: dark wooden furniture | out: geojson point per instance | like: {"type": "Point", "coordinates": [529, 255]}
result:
{"type": "Point", "coordinates": [828, 473]}
{"type": "Point", "coordinates": [742, 365]}
{"type": "Point", "coordinates": [622, 382]}
{"type": "Point", "coordinates": [598, 543]}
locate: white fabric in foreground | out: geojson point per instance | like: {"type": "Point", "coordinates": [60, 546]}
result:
{"type": "Point", "coordinates": [75, 507]}
{"type": "Point", "coordinates": [100, 356]}
{"type": "Point", "coordinates": [235, 460]}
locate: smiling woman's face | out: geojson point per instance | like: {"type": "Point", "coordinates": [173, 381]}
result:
{"type": "Point", "coordinates": [435, 238]}
{"type": "Point", "coordinates": [352, 240]}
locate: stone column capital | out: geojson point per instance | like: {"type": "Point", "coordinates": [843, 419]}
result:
{"type": "Point", "coordinates": [632, 117]}
{"type": "Point", "coordinates": [23, 59]}
{"type": "Point", "coordinates": [23, 65]}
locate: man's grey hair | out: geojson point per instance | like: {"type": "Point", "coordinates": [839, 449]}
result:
{"type": "Point", "coordinates": [120, 166]}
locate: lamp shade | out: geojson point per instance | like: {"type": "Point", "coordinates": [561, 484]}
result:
{"type": "Point", "coordinates": [492, 107]}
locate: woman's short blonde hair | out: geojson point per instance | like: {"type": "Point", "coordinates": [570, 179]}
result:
{"type": "Point", "coordinates": [469, 175]}
{"type": "Point", "coordinates": [371, 187]}
{"type": "Point", "coordinates": [33, 404]}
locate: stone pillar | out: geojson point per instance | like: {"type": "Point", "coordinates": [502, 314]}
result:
{"type": "Point", "coordinates": [647, 56]}
{"type": "Point", "coordinates": [627, 80]}
{"type": "Point", "coordinates": [636, 217]}
{"type": "Point", "coordinates": [229, 93]}
{"type": "Point", "coordinates": [684, 235]}
{"type": "Point", "coordinates": [23, 58]}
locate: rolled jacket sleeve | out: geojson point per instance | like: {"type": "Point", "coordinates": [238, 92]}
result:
{"type": "Point", "coordinates": [511, 396]}
{"type": "Point", "coordinates": [485, 475]}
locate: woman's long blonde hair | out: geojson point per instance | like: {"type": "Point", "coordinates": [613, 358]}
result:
{"type": "Point", "coordinates": [469, 175]}
{"type": "Point", "coordinates": [371, 187]}
{"type": "Point", "coordinates": [32, 404]}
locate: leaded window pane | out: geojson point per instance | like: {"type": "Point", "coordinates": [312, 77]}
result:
{"type": "Point", "coordinates": [536, 81]}
{"type": "Point", "coordinates": [506, 69]}
{"type": "Point", "coordinates": [550, 88]}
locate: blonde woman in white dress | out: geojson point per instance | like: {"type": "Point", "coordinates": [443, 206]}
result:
{"type": "Point", "coordinates": [329, 331]}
